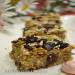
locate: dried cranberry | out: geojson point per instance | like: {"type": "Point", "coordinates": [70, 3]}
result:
{"type": "Point", "coordinates": [49, 45]}
{"type": "Point", "coordinates": [51, 58]}
{"type": "Point", "coordinates": [28, 47]}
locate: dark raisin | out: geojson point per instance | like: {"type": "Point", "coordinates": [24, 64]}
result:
{"type": "Point", "coordinates": [18, 63]}
{"type": "Point", "coordinates": [51, 58]}
{"type": "Point", "coordinates": [31, 69]}
{"type": "Point", "coordinates": [63, 45]}
{"type": "Point", "coordinates": [59, 42]}
{"type": "Point", "coordinates": [39, 27]}
{"type": "Point", "coordinates": [39, 40]}
{"type": "Point", "coordinates": [28, 47]}
{"type": "Point", "coordinates": [39, 18]}
{"type": "Point", "coordinates": [14, 41]}
{"type": "Point", "coordinates": [48, 26]}
{"type": "Point", "coordinates": [44, 41]}
{"type": "Point", "coordinates": [31, 39]}
{"type": "Point", "coordinates": [46, 30]}
{"type": "Point", "coordinates": [25, 29]}
{"type": "Point", "coordinates": [21, 39]}
{"type": "Point", "coordinates": [49, 45]}
{"type": "Point", "coordinates": [56, 40]}
{"type": "Point", "coordinates": [33, 17]}
{"type": "Point", "coordinates": [42, 14]}
{"type": "Point", "coordinates": [37, 46]}
{"type": "Point", "coordinates": [57, 21]}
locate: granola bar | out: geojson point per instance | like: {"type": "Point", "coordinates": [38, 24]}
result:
{"type": "Point", "coordinates": [33, 52]}
{"type": "Point", "coordinates": [44, 24]}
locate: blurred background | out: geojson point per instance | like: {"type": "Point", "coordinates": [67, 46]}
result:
{"type": "Point", "coordinates": [13, 11]}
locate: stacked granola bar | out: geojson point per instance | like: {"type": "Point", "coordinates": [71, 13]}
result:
{"type": "Point", "coordinates": [44, 24]}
